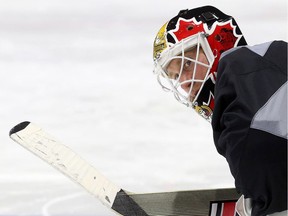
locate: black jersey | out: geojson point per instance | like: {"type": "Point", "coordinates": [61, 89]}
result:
{"type": "Point", "coordinates": [250, 122]}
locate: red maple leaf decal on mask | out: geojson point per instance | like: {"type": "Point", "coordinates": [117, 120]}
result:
{"type": "Point", "coordinates": [223, 37]}
{"type": "Point", "coordinates": [186, 28]}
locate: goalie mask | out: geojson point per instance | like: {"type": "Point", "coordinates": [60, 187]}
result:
{"type": "Point", "coordinates": [186, 54]}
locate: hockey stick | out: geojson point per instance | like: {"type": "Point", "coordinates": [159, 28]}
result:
{"type": "Point", "coordinates": [36, 140]}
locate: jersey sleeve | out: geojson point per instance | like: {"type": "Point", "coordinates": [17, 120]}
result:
{"type": "Point", "coordinates": [246, 81]}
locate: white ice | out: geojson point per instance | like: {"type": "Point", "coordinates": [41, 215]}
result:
{"type": "Point", "coordinates": [83, 71]}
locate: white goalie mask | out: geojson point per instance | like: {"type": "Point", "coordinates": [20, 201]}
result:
{"type": "Point", "coordinates": [185, 55]}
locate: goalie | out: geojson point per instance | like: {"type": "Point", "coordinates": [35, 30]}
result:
{"type": "Point", "coordinates": [201, 56]}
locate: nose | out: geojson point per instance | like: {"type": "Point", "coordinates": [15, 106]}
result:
{"type": "Point", "coordinates": [185, 79]}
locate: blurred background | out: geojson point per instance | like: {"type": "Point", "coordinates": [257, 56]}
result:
{"type": "Point", "coordinates": [83, 71]}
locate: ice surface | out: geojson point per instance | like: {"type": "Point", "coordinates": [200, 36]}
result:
{"type": "Point", "coordinates": [83, 71]}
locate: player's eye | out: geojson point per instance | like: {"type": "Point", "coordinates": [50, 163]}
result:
{"type": "Point", "coordinates": [187, 64]}
{"type": "Point", "coordinates": [173, 76]}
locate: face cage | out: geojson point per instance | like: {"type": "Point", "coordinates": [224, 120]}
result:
{"type": "Point", "coordinates": [178, 52]}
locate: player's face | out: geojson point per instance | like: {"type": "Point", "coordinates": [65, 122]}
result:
{"type": "Point", "coordinates": [189, 82]}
